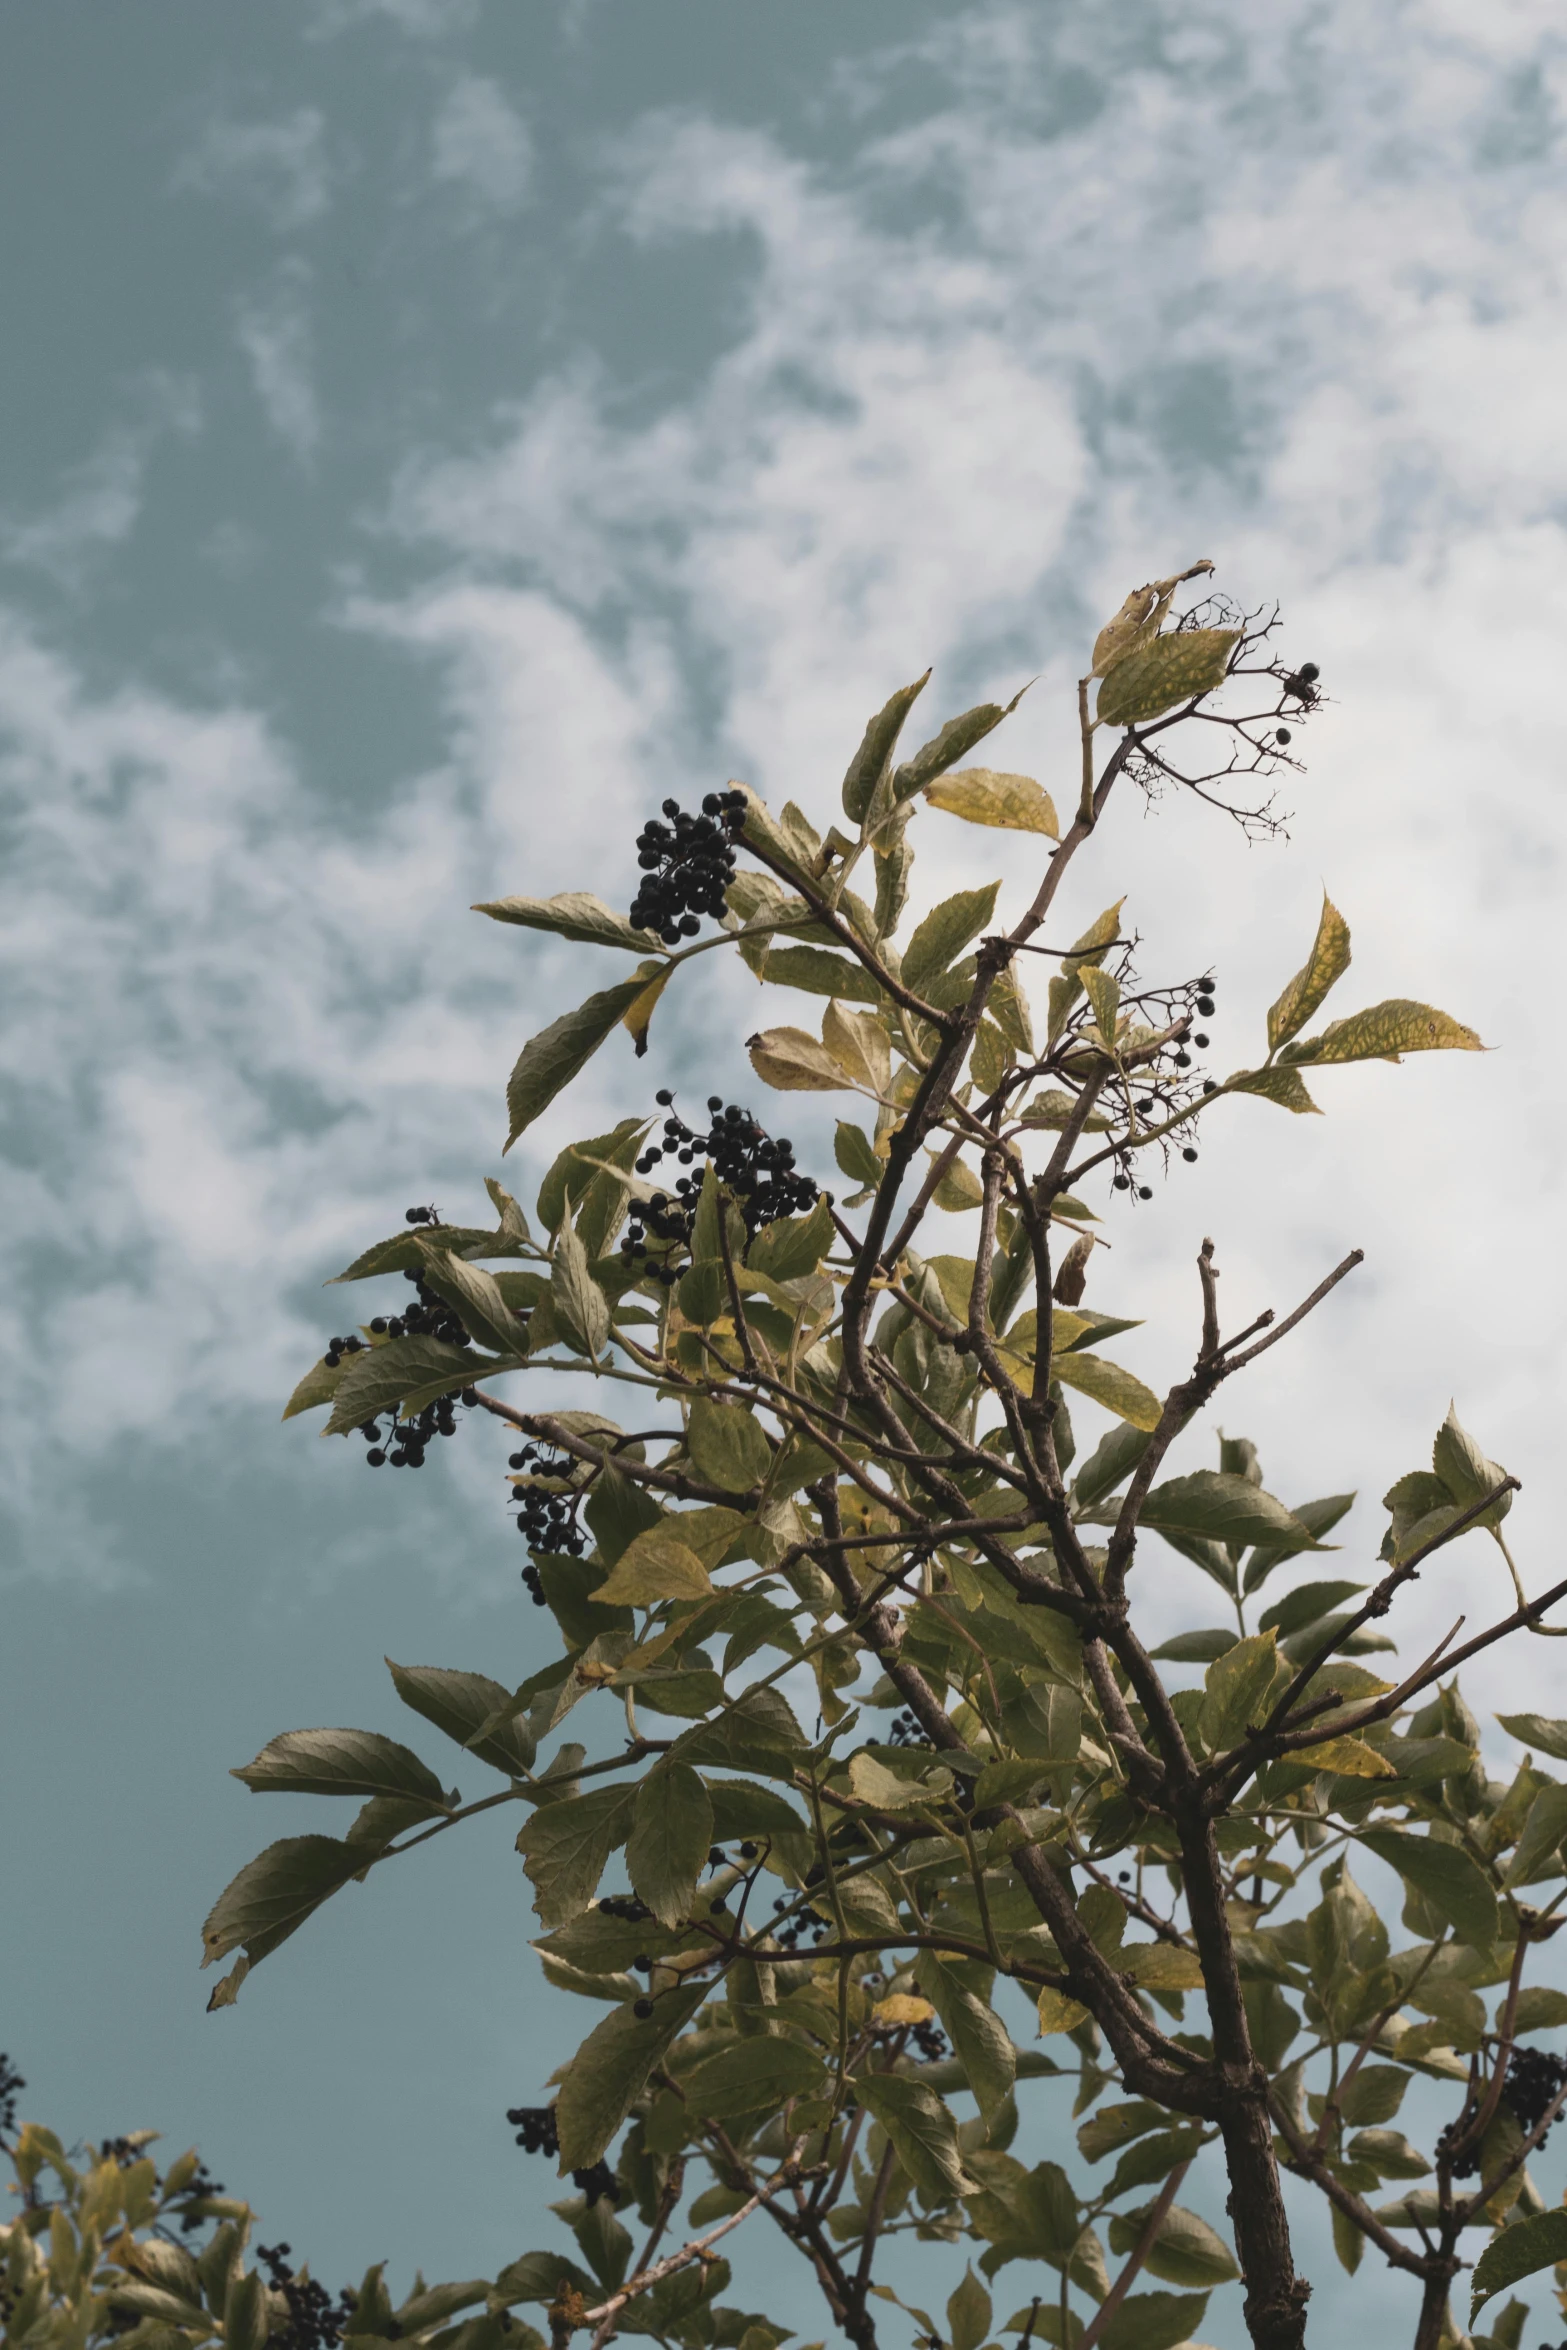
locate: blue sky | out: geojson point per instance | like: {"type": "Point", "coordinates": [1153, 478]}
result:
{"type": "Point", "coordinates": [435, 431]}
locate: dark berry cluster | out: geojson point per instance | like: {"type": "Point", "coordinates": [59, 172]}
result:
{"type": "Point", "coordinates": [687, 864]}
{"type": "Point", "coordinates": [408, 1439]}
{"type": "Point", "coordinates": [810, 1921]}
{"type": "Point", "coordinates": [196, 2194]}
{"type": "Point", "coordinates": [429, 1317]}
{"type": "Point", "coordinates": [1301, 686]}
{"type": "Point", "coordinates": [931, 2042]}
{"type": "Point", "coordinates": [1166, 1087]}
{"type": "Point", "coordinates": [626, 1907]}
{"type": "Point", "coordinates": [906, 1731]}
{"type": "Point", "coordinates": [1534, 2081]}
{"type": "Point", "coordinates": [547, 1508]}
{"type": "Point", "coordinates": [11, 2084]}
{"type": "Point", "coordinates": [597, 2182]}
{"type": "Point", "coordinates": [537, 2134]}
{"type": "Point", "coordinates": [756, 1168]}
{"type": "Point", "coordinates": [315, 2320]}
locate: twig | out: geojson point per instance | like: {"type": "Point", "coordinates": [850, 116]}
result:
{"type": "Point", "coordinates": [1095, 2328]}
{"type": "Point", "coordinates": [699, 2247]}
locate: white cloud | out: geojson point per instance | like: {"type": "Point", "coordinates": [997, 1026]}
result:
{"type": "Point", "coordinates": [420, 19]}
{"type": "Point", "coordinates": [98, 504]}
{"type": "Point", "coordinates": [480, 143]}
{"type": "Point", "coordinates": [280, 168]}
{"type": "Point", "coordinates": [273, 330]}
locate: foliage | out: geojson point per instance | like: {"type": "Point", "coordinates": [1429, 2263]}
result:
{"type": "Point", "coordinates": [899, 1771]}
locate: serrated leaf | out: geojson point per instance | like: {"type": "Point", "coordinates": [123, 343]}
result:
{"type": "Point", "coordinates": [946, 748]}
{"type": "Point", "coordinates": [475, 1294]}
{"type": "Point", "coordinates": [581, 1307]}
{"type": "Point", "coordinates": [1544, 1827]}
{"type": "Point", "coordinates": [758, 2076]}
{"type": "Point", "coordinates": [794, 1245]}
{"type": "Point", "coordinates": [1465, 1471]}
{"type": "Point", "coordinates": [1540, 2009]}
{"type": "Point", "coordinates": [870, 762]}
{"type": "Point", "coordinates": [274, 1894]}
{"type": "Point", "coordinates": [670, 1838]}
{"type": "Point", "coordinates": [727, 1445]}
{"type": "Point", "coordinates": [980, 2040]}
{"type": "Point", "coordinates": [1537, 1730]}
{"type": "Point", "coordinates": [1161, 1966]}
{"type": "Point", "coordinates": [1235, 1689]}
{"type": "Point", "coordinates": [792, 1061]}
{"type": "Point", "coordinates": [944, 933]}
{"type": "Point", "coordinates": [1108, 1384]}
{"type": "Point", "coordinates": [923, 2133]}
{"type": "Point", "coordinates": [655, 1565]}
{"type": "Point", "coordinates": [858, 1043]}
{"type": "Point", "coordinates": [1196, 1648]}
{"type": "Point", "coordinates": [1306, 1604]}
{"type": "Point", "coordinates": [1186, 2250]}
{"type": "Point", "coordinates": [575, 914]}
{"type": "Point", "coordinates": [1112, 1460]}
{"type": "Point", "coordinates": [1382, 1032]}
{"type": "Point", "coordinates": [1445, 1875]}
{"type": "Point", "coordinates": [983, 795]}
{"type": "Point", "coordinates": [816, 971]}
{"type": "Point", "coordinates": [1352, 1758]}
{"type": "Point", "coordinates": [549, 1061]}
{"type": "Point", "coordinates": [319, 1385]}
{"type": "Point", "coordinates": [1285, 1086]}
{"type": "Point", "coordinates": [1171, 669]}
{"type": "Point", "coordinates": [1323, 968]}
{"type": "Point", "coordinates": [1058, 2013]}
{"type": "Point", "coordinates": [609, 2069]}
{"type": "Point", "coordinates": [565, 1847]}
{"type": "Point", "coordinates": [460, 1704]}
{"type": "Point", "coordinates": [340, 1762]}
{"type": "Point", "coordinates": [968, 2313]}
{"type": "Point", "coordinates": [1220, 1504]}
{"type": "Point", "coordinates": [385, 1376]}
{"type": "Point", "coordinates": [1103, 991]}
{"type": "Point", "coordinates": [1518, 2251]}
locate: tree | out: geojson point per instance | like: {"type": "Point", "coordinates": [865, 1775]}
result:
{"type": "Point", "coordinates": [850, 1467]}
{"type": "Point", "coordinates": [106, 2248]}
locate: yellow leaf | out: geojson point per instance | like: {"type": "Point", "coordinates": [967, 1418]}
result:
{"type": "Point", "coordinates": [1324, 966]}
{"type": "Point", "coordinates": [900, 2008]}
{"type": "Point", "coordinates": [1162, 1966]}
{"type": "Point", "coordinates": [1057, 2013]}
{"type": "Point", "coordinates": [1351, 1757]}
{"type": "Point", "coordinates": [638, 1014]}
{"type": "Point", "coordinates": [874, 1784]}
{"type": "Point", "coordinates": [1170, 669]}
{"type": "Point", "coordinates": [1108, 1384]}
{"type": "Point", "coordinates": [794, 1062]}
{"type": "Point", "coordinates": [655, 1565]}
{"type": "Point", "coordinates": [1284, 1086]}
{"type": "Point", "coordinates": [1383, 1031]}
{"type": "Point", "coordinates": [858, 1042]}
{"type": "Point", "coordinates": [982, 795]}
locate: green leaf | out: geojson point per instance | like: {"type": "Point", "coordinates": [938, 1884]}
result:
{"type": "Point", "coordinates": [573, 1171]}
{"type": "Point", "coordinates": [727, 1445]}
{"type": "Point", "coordinates": [581, 1307]}
{"type": "Point", "coordinates": [609, 2069]}
{"type": "Point", "coordinates": [565, 1846]}
{"type": "Point", "coordinates": [1446, 1876]}
{"type": "Point", "coordinates": [1384, 1031]}
{"type": "Point", "coordinates": [1465, 1471]}
{"type": "Point", "coordinates": [1235, 1689]}
{"type": "Point", "coordinates": [1162, 1966]}
{"type": "Point", "coordinates": [486, 1316]}
{"type": "Point", "coordinates": [671, 1834]}
{"type": "Point", "coordinates": [340, 1762]}
{"type": "Point", "coordinates": [815, 971]}
{"type": "Point", "coordinates": [1186, 2250]}
{"type": "Point", "coordinates": [1316, 1518]}
{"type": "Point", "coordinates": [871, 760]}
{"type": "Point", "coordinates": [1537, 1730]}
{"type": "Point", "coordinates": [758, 2076]}
{"type": "Point", "coordinates": [794, 1245]}
{"type": "Point", "coordinates": [741, 1808]}
{"type": "Point", "coordinates": [968, 2313]}
{"type": "Point", "coordinates": [653, 1566]}
{"type": "Point", "coordinates": [958, 736]}
{"type": "Point", "coordinates": [981, 795]}
{"type": "Point", "coordinates": [320, 1384]}
{"type": "Point", "coordinates": [540, 2276]}
{"type": "Point", "coordinates": [549, 1061]}
{"type": "Point", "coordinates": [1543, 1830]}
{"type": "Point", "coordinates": [1171, 669]}
{"type": "Point", "coordinates": [945, 932]}
{"type": "Point", "coordinates": [1112, 1460]}
{"type": "Point", "coordinates": [855, 1156]}
{"type": "Point", "coordinates": [1285, 1086]}
{"type": "Point", "coordinates": [923, 2133]}
{"type": "Point", "coordinates": [980, 2040]}
{"type": "Point", "coordinates": [1196, 1648]}
{"type": "Point", "coordinates": [1518, 2251]}
{"type": "Point", "coordinates": [1108, 1384]}
{"type": "Point", "coordinates": [1307, 1604]}
{"type": "Point", "coordinates": [1324, 967]}
{"type": "Point", "coordinates": [1214, 1502]}
{"type": "Point", "coordinates": [575, 914]}
{"type": "Point", "coordinates": [385, 1376]}
{"type": "Point", "coordinates": [791, 1060]}
{"type": "Point", "coordinates": [1154, 2321]}
{"type": "Point", "coordinates": [1540, 2009]}
{"type": "Point", "coordinates": [274, 1894]}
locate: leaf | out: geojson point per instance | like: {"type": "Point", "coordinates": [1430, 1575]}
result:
{"type": "Point", "coordinates": [1382, 1032]}
{"type": "Point", "coordinates": [858, 1043]}
{"type": "Point", "coordinates": [340, 1762]}
{"type": "Point", "coordinates": [944, 749]}
{"type": "Point", "coordinates": [1186, 2250]}
{"type": "Point", "coordinates": [1171, 669]}
{"type": "Point", "coordinates": [1352, 1758]}
{"type": "Point", "coordinates": [575, 914]}
{"type": "Point", "coordinates": [1216, 1502]}
{"type": "Point", "coordinates": [727, 1445]}
{"type": "Point", "coordinates": [1447, 1877]}
{"type": "Point", "coordinates": [637, 1018]}
{"type": "Point", "coordinates": [581, 1307]}
{"type": "Point", "coordinates": [654, 1565]}
{"type": "Point", "coordinates": [609, 2069]}
{"type": "Point", "coordinates": [1313, 1519]}
{"type": "Point", "coordinates": [758, 2076]}
{"type": "Point", "coordinates": [980, 2040]}
{"type": "Point", "coordinates": [982, 795]}
{"type": "Point", "coordinates": [1306, 1604]}
{"type": "Point", "coordinates": [486, 1316]}
{"type": "Point", "coordinates": [320, 1384]}
{"type": "Point", "coordinates": [1540, 2009]}
{"type": "Point", "coordinates": [1058, 2013]}
{"type": "Point", "coordinates": [274, 1894]}
{"type": "Point", "coordinates": [794, 1245]}
{"type": "Point", "coordinates": [1196, 1648]}
{"type": "Point", "coordinates": [883, 1789]}
{"type": "Point", "coordinates": [549, 1061]}
{"type": "Point", "coordinates": [1235, 1690]}
{"type": "Point", "coordinates": [968, 2313]}
{"type": "Point", "coordinates": [814, 971]}
{"type": "Point", "coordinates": [565, 1846]}
{"type": "Point", "coordinates": [1465, 1471]}
{"type": "Point", "coordinates": [1108, 1384]}
{"type": "Point", "coordinates": [855, 1156]}
{"type": "Point", "coordinates": [1285, 1086]}
{"type": "Point", "coordinates": [923, 2133]}
{"type": "Point", "coordinates": [1323, 968]}
{"type": "Point", "coordinates": [1537, 1730]}
{"type": "Point", "coordinates": [1543, 1830]}
{"type": "Point", "coordinates": [1103, 991]}
{"type": "Point", "coordinates": [1113, 1458]}
{"type": "Point", "coordinates": [1155, 2321]}
{"type": "Point", "coordinates": [671, 1835]}
{"type": "Point", "coordinates": [870, 761]}
{"type": "Point", "coordinates": [1518, 2251]}
{"type": "Point", "coordinates": [1162, 1966]}
{"type": "Point", "coordinates": [945, 932]}
{"type": "Point", "coordinates": [743, 1809]}
{"type": "Point", "coordinates": [385, 1376]}
{"type": "Point", "coordinates": [791, 1061]}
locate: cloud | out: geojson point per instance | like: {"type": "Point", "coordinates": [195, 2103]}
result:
{"type": "Point", "coordinates": [480, 144]}
{"type": "Point", "coordinates": [280, 169]}
{"type": "Point", "coordinates": [419, 19]}
{"type": "Point", "coordinates": [99, 502]}
{"type": "Point", "coordinates": [273, 331]}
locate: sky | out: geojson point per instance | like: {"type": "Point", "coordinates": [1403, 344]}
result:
{"type": "Point", "coordinates": [436, 430]}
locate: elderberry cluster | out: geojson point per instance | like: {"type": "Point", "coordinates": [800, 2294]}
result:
{"type": "Point", "coordinates": [537, 2134]}
{"type": "Point", "coordinates": [687, 864]}
{"type": "Point", "coordinates": [1534, 2080]}
{"type": "Point", "coordinates": [11, 2084]}
{"type": "Point", "coordinates": [809, 1921]}
{"type": "Point", "coordinates": [626, 1907]}
{"type": "Point", "coordinates": [757, 1169]}
{"type": "Point", "coordinates": [405, 1445]}
{"type": "Point", "coordinates": [201, 2187]}
{"type": "Point", "coordinates": [931, 2042]}
{"type": "Point", "coordinates": [1165, 1086]}
{"type": "Point", "coordinates": [906, 1731]}
{"type": "Point", "coordinates": [315, 2320]}
{"type": "Point", "coordinates": [546, 1518]}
